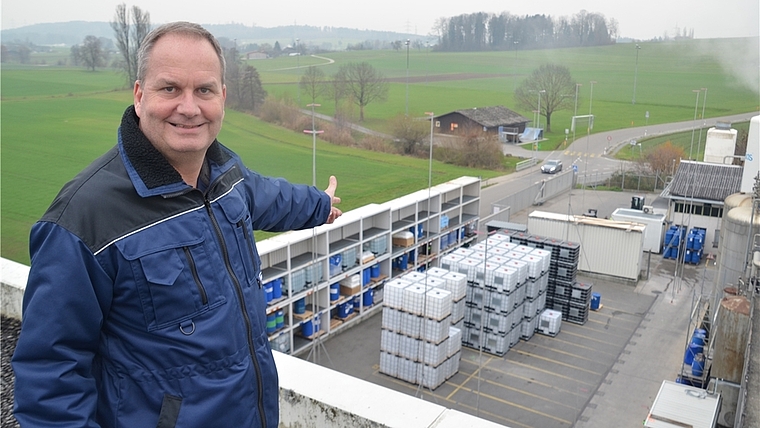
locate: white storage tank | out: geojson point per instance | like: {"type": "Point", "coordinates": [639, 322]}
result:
{"type": "Point", "coordinates": [655, 226]}
{"type": "Point", "coordinates": [720, 143]}
{"type": "Point", "coordinates": [735, 235]}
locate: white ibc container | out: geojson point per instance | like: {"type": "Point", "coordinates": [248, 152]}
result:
{"type": "Point", "coordinates": [499, 302]}
{"type": "Point", "coordinates": [488, 268]}
{"type": "Point", "coordinates": [457, 284]}
{"type": "Point", "coordinates": [394, 293]}
{"type": "Point", "coordinates": [523, 249]}
{"type": "Point", "coordinates": [531, 307]}
{"type": "Point", "coordinates": [453, 365]}
{"type": "Point", "coordinates": [449, 260]}
{"type": "Point", "coordinates": [505, 279]}
{"type": "Point", "coordinates": [407, 370]}
{"type": "Point", "coordinates": [434, 282]}
{"type": "Point", "coordinates": [437, 272]}
{"type": "Point", "coordinates": [435, 331]}
{"type": "Point", "coordinates": [498, 322]}
{"type": "Point", "coordinates": [463, 252]}
{"type": "Point", "coordinates": [411, 325]}
{"type": "Point", "coordinates": [498, 259]}
{"type": "Point", "coordinates": [391, 319]}
{"type": "Point", "coordinates": [413, 276]}
{"type": "Point", "coordinates": [532, 288]}
{"type": "Point", "coordinates": [455, 340]}
{"type": "Point", "coordinates": [509, 246]}
{"type": "Point", "coordinates": [528, 327]}
{"type": "Point", "coordinates": [468, 267]}
{"type": "Point", "coordinates": [514, 335]}
{"type": "Point", "coordinates": [478, 255]}
{"type": "Point", "coordinates": [534, 265]}
{"type": "Point", "coordinates": [521, 267]}
{"type": "Point", "coordinates": [389, 341]}
{"type": "Point", "coordinates": [546, 258]}
{"type": "Point", "coordinates": [438, 303]}
{"type": "Point", "coordinates": [478, 247]}
{"type": "Point", "coordinates": [389, 364]}
{"type": "Point", "coordinates": [550, 322]}
{"type": "Point", "coordinates": [434, 354]}
{"type": "Point", "coordinates": [414, 299]}
{"type": "Point", "coordinates": [457, 310]}
{"type": "Point", "coordinates": [521, 293]}
{"type": "Point", "coordinates": [500, 237]}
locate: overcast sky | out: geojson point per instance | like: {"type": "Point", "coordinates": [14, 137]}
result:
{"type": "Point", "coordinates": [642, 19]}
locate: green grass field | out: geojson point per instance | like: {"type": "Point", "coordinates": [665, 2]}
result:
{"type": "Point", "coordinates": [55, 120]}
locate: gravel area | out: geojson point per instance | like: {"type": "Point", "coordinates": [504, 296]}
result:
{"type": "Point", "coordinates": [10, 329]}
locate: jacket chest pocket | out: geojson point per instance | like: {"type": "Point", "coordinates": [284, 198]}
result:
{"type": "Point", "coordinates": [175, 283]}
{"type": "Point", "coordinates": [243, 256]}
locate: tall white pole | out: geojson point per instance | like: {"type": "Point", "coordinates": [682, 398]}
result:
{"type": "Point", "coordinates": [406, 111]}
{"type": "Point", "coordinates": [636, 73]}
{"type": "Point", "coordinates": [694, 123]}
{"type": "Point", "coordinates": [704, 102]}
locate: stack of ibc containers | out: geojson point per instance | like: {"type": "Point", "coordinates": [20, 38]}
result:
{"type": "Point", "coordinates": [504, 287]}
{"type": "Point", "coordinates": [418, 343]}
{"type": "Point", "coordinates": [456, 283]}
{"type": "Point", "coordinates": [565, 294]}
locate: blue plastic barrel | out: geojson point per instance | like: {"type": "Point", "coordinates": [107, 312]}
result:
{"type": "Point", "coordinates": [299, 306]}
{"type": "Point", "coordinates": [269, 290]}
{"type": "Point", "coordinates": [366, 276]}
{"type": "Point", "coordinates": [334, 292]}
{"type": "Point", "coordinates": [698, 365]}
{"type": "Point", "coordinates": [693, 350]}
{"type": "Point", "coordinates": [307, 328]}
{"type": "Point", "coordinates": [280, 319]}
{"type": "Point", "coordinates": [375, 270]}
{"type": "Point", "coordinates": [271, 323]}
{"type": "Point", "coordinates": [277, 288]}
{"type": "Point", "coordinates": [596, 300]}
{"type": "Point", "coordinates": [368, 297]}
{"type": "Point", "coordinates": [345, 309]}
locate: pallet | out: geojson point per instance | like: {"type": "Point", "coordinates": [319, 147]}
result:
{"type": "Point", "coordinates": [601, 305]}
{"type": "Point", "coordinates": [304, 316]}
{"type": "Point", "coordinates": [313, 336]}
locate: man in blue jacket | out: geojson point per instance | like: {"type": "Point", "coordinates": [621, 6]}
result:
{"type": "Point", "coordinates": [144, 306]}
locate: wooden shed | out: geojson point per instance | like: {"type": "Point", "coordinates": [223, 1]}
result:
{"type": "Point", "coordinates": [488, 119]}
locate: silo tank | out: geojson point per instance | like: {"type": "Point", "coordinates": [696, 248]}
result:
{"type": "Point", "coordinates": [735, 233]}
{"type": "Point", "coordinates": [730, 339]}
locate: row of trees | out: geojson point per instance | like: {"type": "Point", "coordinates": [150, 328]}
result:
{"type": "Point", "coordinates": [486, 31]}
{"type": "Point", "coordinates": [360, 83]}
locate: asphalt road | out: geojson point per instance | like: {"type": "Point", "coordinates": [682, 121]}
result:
{"type": "Point", "coordinates": [588, 153]}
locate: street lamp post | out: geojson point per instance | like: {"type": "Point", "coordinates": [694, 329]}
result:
{"type": "Point", "coordinates": [704, 102]}
{"type": "Point", "coordinates": [591, 97]}
{"type": "Point", "coordinates": [575, 111]}
{"type": "Point", "coordinates": [694, 124]}
{"type": "Point", "coordinates": [514, 67]}
{"type": "Point", "coordinates": [298, 71]}
{"type": "Point", "coordinates": [542, 91]}
{"type": "Point", "coordinates": [406, 111]}
{"type": "Point", "coordinates": [636, 73]}
{"type": "Point", "coordinates": [313, 133]}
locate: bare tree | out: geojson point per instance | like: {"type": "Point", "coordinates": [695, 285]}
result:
{"type": "Point", "coordinates": [313, 83]}
{"type": "Point", "coordinates": [664, 159]}
{"type": "Point", "coordinates": [409, 133]}
{"type": "Point", "coordinates": [365, 84]}
{"type": "Point", "coordinates": [129, 35]}
{"type": "Point", "coordinates": [553, 84]}
{"type": "Point", "coordinates": [91, 53]}
{"type": "Point", "coordinates": [337, 90]}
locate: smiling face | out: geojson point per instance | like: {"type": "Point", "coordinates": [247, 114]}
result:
{"type": "Point", "coordinates": [180, 100]}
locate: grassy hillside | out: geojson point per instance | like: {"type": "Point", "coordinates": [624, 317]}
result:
{"type": "Point", "coordinates": [56, 120]}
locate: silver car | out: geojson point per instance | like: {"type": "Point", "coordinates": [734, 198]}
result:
{"type": "Point", "coordinates": [552, 166]}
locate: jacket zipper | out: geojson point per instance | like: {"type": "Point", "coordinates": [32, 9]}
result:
{"type": "Point", "coordinates": [241, 301]}
{"type": "Point", "coordinates": [249, 241]}
{"type": "Point", "coordinates": [196, 277]}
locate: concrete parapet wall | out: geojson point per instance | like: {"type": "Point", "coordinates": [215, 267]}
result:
{"type": "Point", "coordinates": [310, 395]}
{"type": "Point", "coordinates": [13, 283]}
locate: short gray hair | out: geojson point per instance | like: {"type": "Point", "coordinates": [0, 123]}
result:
{"type": "Point", "coordinates": [182, 28]}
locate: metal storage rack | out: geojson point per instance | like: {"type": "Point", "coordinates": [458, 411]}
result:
{"type": "Point", "coordinates": [302, 259]}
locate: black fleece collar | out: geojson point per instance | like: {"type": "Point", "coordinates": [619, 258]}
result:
{"type": "Point", "coordinates": [148, 162]}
